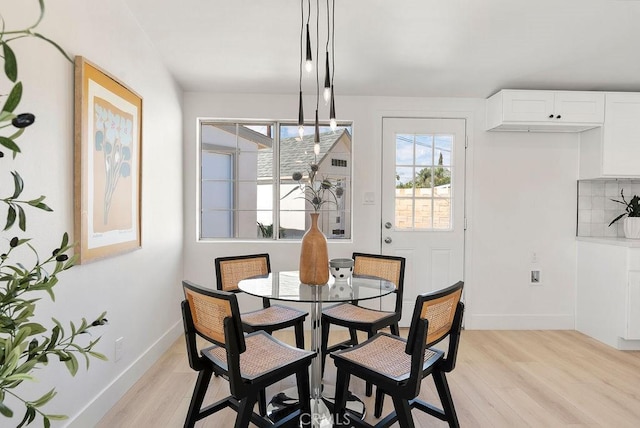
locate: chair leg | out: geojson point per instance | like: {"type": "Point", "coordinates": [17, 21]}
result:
{"type": "Point", "coordinates": [449, 409]}
{"type": "Point", "coordinates": [403, 411]}
{"type": "Point", "coordinates": [324, 344]}
{"type": "Point", "coordinates": [342, 389]}
{"type": "Point", "coordinates": [304, 395]}
{"type": "Point", "coordinates": [204, 376]}
{"type": "Point", "coordinates": [379, 402]}
{"type": "Point", "coordinates": [394, 329]}
{"type": "Point", "coordinates": [262, 403]}
{"type": "Point", "coordinates": [245, 409]}
{"type": "Point", "coordinates": [353, 336]}
{"type": "Point", "coordinates": [299, 329]}
{"type": "Point", "coordinates": [368, 386]}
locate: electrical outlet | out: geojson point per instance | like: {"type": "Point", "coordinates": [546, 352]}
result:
{"type": "Point", "coordinates": [119, 348]}
{"type": "Point", "coordinates": [535, 277]}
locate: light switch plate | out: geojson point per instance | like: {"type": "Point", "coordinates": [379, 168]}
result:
{"type": "Point", "coordinates": [369, 198]}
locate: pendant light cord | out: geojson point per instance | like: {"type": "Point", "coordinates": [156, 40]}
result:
{"type": "Point", "coordinates": [301, 41]}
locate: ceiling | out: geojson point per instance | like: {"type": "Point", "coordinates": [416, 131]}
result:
{"type": "Point", "coordinates": [448, 48]}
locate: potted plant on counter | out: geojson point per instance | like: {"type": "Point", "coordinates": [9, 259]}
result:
{"type": "Point", "coordinates": [631, 223]}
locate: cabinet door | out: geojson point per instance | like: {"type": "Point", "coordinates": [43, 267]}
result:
{"type": "Point", "coordinates": [581, 107]}
{"type": "Point", "coordinates": [621, 139]}
{"type": "Point", "coordinates": [632, 331]}
{"type": "Point", "coordinates": [527, 106]}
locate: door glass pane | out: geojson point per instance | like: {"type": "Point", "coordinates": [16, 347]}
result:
{"type": "Point", "coordinates": [404, 211]}
{"type": "Point", "coordinates": [423, 213]}
{"type": "Point", "coordinates": [404, 179]}
{"type": "Point", "coordinates": [423, 181]}
{"type": "Point", "coordinates": [442, 213]}
{"type": "Point", "coordinates": [443, 149]}
{"type": "Point", "coordinates": [424, 150]}
{"type": "Point", "coordinates": [404, 149]}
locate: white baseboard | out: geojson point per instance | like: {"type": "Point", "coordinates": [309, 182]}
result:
{"type": "Point", "coordinates": [519, 322]}
{"type": "Point", "coordinates": [91, 414]}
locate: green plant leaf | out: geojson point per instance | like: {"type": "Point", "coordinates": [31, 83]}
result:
{"type": "Point", "coordinates": [11, 217]}
{"type": "Point", "coordinates": [14, 98]}
{"type": "Point", "coordinates": [45, 398]}
{"type": "Point", "coordinates": [18, 185]}
{"type": "Point", "coordinates": [22, 219]}
{"type": "Point", "coordinates": [10, 63]}
{"type": "Point", "coordinates": [65, 240]}
{"type": "Point", "coordinates": [5, 411]}
{"type": "Point", "coordinates": [9, 144]}
{"type": "Point", "coordinates": [6, 116]}
{"type": "Point", "coordinates": [58, 417]}
{"type": "Point", "coordinates": [35, 328]}
{"type": "Point", "coordinates": [19, 376]}
{"type": "Point", "coordinates": [72, 364]}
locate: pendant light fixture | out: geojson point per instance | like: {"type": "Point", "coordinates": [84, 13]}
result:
{"type": "Point", "coordinates": [307, 62]}
{"type": "Point", "coordinates": [316, 134]}
{"type": "Point", "coordinates": [327, 78]}
{"type": "Point", "coordinates": [332, 108]}
{"type": "Point", "coordinates": [300, 109]}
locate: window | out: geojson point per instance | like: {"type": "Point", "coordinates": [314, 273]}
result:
{"type": "Point", "coordinates": [423, 182]}
{"type": "Point", "coordinates": [247, 186]}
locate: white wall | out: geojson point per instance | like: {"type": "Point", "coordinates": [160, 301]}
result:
{"type": "Point", "coordinates": [140, 290]}
{"type": "Point", "coordinates": [521, 198]}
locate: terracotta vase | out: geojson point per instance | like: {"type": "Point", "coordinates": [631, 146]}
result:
{"type": "Point", "coordinates": [314, 257]}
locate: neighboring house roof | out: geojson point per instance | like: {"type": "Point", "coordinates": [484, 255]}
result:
{"type": "Point", "coordinates": [296, 156]}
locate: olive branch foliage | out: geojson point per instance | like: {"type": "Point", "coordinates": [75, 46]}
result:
{"type": "Point", "coordinates": [25, 344]}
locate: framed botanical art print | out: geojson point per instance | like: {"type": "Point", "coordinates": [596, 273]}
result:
{"type": "Point", "coordinates": [107, 164]}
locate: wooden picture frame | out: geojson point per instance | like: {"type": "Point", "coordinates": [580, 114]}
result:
{"type": "Point", "coordinates": [107, 164]}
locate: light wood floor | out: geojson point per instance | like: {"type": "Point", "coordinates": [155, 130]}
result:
{"type": "Point", "coordinates": [502, 379]}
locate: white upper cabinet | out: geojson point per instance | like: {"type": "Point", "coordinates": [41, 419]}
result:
{"type": "Point", "coordinates": [545, 111]}
{"type": "Point", "coordinates": [614, 149]}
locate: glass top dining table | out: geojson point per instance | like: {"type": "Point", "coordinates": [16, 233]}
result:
{"type": "Point", "coordinates": [286, 286]}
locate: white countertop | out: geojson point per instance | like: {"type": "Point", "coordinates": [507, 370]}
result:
{"type": "Point", "coordinates": [621, 242]}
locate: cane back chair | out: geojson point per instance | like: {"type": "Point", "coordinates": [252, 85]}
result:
{"type": "Point", "coordinates": [397, 366]}
{"type": "Point", "coordinates": [250, 363]}
{"type": "Point", "coordinates": [231, 270]}
{"type": "Point", "coordinates": [357, 318]}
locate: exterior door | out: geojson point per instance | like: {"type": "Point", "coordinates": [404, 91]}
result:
{"type": "Point", "coordinates": [423, 176]}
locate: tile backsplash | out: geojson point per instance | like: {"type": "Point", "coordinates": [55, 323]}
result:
{"type": "Point", "coordinates": [596, 209]}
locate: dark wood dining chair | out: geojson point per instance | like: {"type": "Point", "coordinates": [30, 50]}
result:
{"type": "Point", "coordinates": [229, 272]}
{"type": "Point", "coordinates": [397, 366]}
{"type": "Point", "coordinates": [250, 363]}
{"type": "Point", "coordinates": [357, 318]}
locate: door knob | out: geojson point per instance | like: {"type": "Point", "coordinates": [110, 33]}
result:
{"type": "Point", "coordinates": [388, 240]}
{"type": "Point", "coordinates": [558, 116]}
{"type": "Point", "coordinates": [387, 225]}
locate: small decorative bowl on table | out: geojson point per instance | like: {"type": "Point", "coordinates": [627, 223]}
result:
{"type": "Point", "coordinates": [341, 269]}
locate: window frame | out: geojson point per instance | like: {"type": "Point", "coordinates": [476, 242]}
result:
{"type": "Point", "coordinates": [276, 179]}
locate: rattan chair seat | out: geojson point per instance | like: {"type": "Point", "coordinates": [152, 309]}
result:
{"type": "Point", "coordinates": [352, 313]}
{"type": "Point", "coordinates": [263, 354]}
{"type": "Point", "coordinates": [385, 355]}
{"type": "Point", "coordinates": [274, 314]}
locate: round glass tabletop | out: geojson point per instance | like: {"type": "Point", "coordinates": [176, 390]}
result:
{"type": "Point", "coordinates": [287, 286]}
